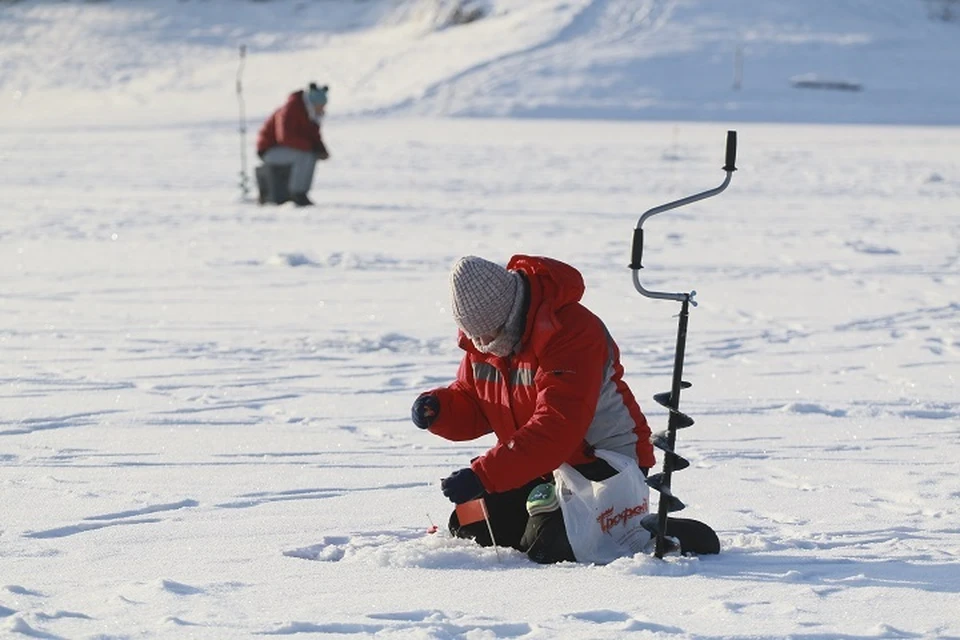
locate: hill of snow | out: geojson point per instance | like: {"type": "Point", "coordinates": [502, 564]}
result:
{"type": "Point", "coordinates": [150, 61]}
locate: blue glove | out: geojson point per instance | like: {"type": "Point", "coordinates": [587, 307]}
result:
{"type": "Point", "coordinates": [425, 410]}
{"type": "Point", "coordinates": [462, 486]}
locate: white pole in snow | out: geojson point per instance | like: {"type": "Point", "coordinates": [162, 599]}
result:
{"type": "Point", "coordinates": [244, 187]}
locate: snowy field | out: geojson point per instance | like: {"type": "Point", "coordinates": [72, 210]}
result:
{"type": "Point", "coordinates": [204, 404]}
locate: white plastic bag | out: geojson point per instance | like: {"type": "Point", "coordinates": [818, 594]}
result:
{"type": "Point", "coordinates": [603, 518]}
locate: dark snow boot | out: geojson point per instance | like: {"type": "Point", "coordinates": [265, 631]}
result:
{"type": "Point", "coordinates": [545, 540]}
{"type": "Point", "coordinates": [695, 537]}
{"type": "Point", "coordinates": [301, 200]}
{"type": "Point", "coordinates": [545, 537]}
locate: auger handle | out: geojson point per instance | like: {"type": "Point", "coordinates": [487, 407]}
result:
{"type": "Point", "coordinates": [636, 251]}
{"type": "Point", "coordinates": [730, 166]}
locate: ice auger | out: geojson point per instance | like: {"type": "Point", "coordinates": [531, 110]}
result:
{"type": "Point", "coordinates": [666, 441]}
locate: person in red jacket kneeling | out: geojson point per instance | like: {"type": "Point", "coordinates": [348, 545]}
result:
{"type": "Point", "coordinates": [291, 136]}
{"type": "Point", "coordinates": [542, 373]}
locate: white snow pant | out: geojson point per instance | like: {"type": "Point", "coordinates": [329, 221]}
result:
{"type": "Point", "coordinates": [302, 164]}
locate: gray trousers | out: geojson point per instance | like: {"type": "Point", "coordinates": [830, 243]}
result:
{"type": "Point", "coordinates": [302, 164]}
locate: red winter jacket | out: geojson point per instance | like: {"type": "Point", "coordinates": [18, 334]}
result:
{"type": "Point", "coordinates": [290, 126]}
{"type": "Point", "coordinates": [561, 394]}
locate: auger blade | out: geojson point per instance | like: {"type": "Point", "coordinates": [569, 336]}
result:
{"type": "Point", "coordinates": [665, 397]}
{"type": "Point", "coordinates": [660, 442]}
{"type": "Point", "coordinates": [655, 482]}
{"type": "Point", "coordinates": [651, 522]}
{"type": "Point", "coordinates": [678, 419]}
{"type": "Point", "coordinates": [672, 502]}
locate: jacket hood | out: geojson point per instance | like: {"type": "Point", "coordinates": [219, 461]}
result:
{"type": "Point", "coordinates": [560, 283]}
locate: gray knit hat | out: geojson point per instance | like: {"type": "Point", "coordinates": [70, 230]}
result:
{"type": "Point", "coordinates": [482, 295]}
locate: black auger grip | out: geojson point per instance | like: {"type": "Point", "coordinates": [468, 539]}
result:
{"type": "Point", "coordinates": [731, 151]}
{"type": "Point", "coordinates": [636, 252]}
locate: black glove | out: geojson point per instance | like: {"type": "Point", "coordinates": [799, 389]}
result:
{"type": "Point", "coordinates": [462, 486]}
{"type": "Point", "coordinates": [425, 410]}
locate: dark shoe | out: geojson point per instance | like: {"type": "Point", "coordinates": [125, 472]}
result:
{"type": "Point", "coordinates": [545, 540]}
{"type": "Point", "coordinates": [545, 537]}
{"type": "Point", "coordinates": [695, 537]}
{"type": "Point", "coordinates": [301, 200]}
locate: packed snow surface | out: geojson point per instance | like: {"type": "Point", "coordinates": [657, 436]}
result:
{"type": "Point", "coordinates": [205, 423]}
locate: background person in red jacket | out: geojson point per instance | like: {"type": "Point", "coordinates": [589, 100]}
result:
{"type": "Point", "coordinates": [542, 373]}
{"type": "Point", "coordinates": [291, 136]}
